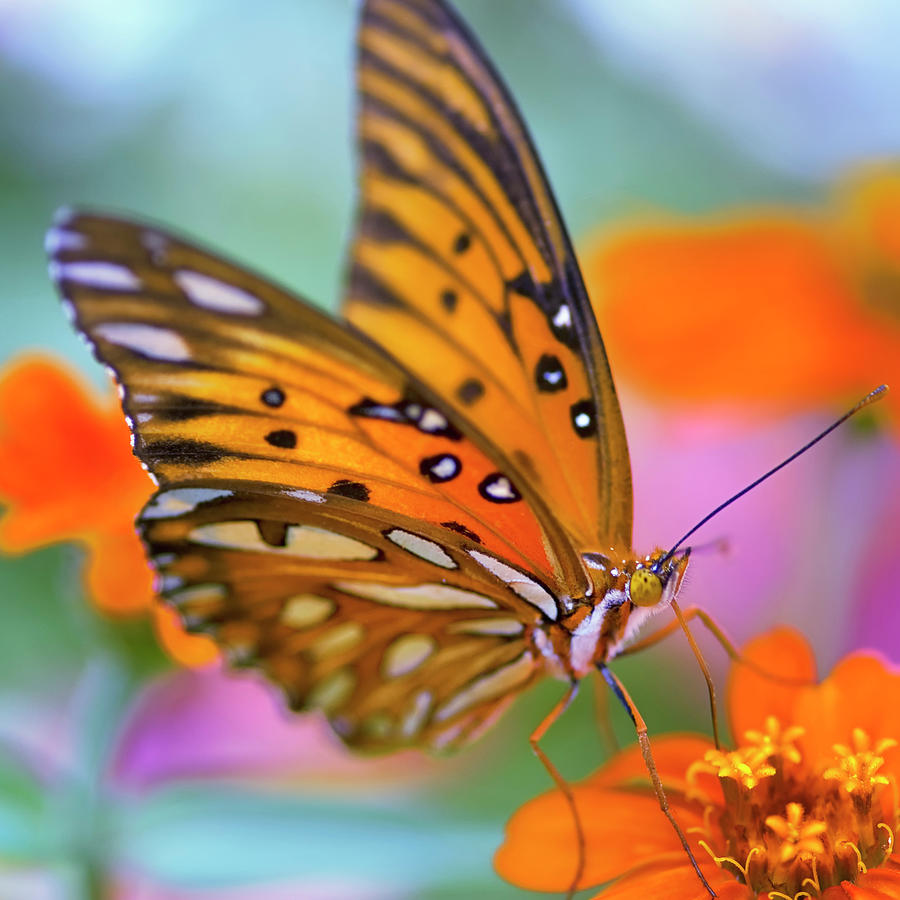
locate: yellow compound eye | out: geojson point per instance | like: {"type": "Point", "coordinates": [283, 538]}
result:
{"type": "Point", "coordinates": [645, 588]}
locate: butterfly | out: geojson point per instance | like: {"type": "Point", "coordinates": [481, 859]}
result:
{"type": "Point", "coordinates": [406, 516]}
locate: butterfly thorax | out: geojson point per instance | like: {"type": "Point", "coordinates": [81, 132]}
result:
{"type": "Point", "coordinates": [628, 590]}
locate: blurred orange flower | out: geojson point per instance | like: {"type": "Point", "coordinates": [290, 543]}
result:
{"type": "Point", "coordinates": [804, 807]}
{"type": "Point", "coordinates": [67, 474]}
{"type": "Point", "coordinates": [773, 310]}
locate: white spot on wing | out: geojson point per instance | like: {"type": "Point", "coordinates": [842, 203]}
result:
{"type": "Point", "coordinates": [169, 583]}
{"type": "Point", "coordinates": [495, 684]}
{"type": "Point", "coordinates": [300, 540]}
{"type": "Point", "coordinates": [493, 625]}
{"type": "Point", "coordinates": [333, 691]}
{"type": "Point", "coordinates": [180, 500]}
{"type": "Point", "coordinates": [96, 274]}
{"type": "Point", "coordinates": [421, 547]}
{"type": "Point", "coordinates": [563, 317]}
{"type": "Point", "coordinates": [445, 468]}
{"type": "Point", "coordinates": [219, 296]}
{"type": "Point", "coordinates": [501, 489]}
{"type": "Point", "coordinates": [432, 420]}
{"type": "Point", "coordinates": [307, 496]}
{"type": "Point", "coordinates": [305, 610]}
{"type": "Point", "coordinates": [58, 239]}
{"type": "Point", "coordinates": [418, 596]}
{"type": "Point", "coordinates": [148, 340]}
{"type": "Point", "coordinates": [412, 722]}
{"type": "Point", "coordinates": [337, 640]}
{"type": "Point", "coordinates": [406, 654]}
{"type": "Point", "coordinates": [199, 595]}
{"type": "Point", "coordinates": [526, 588]}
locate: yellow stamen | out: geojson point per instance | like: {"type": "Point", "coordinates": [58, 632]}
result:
{"type": "Point", "coordinates": [857, 768]}
{"type": "Point", "coordinates": [774, 741]}
{"type": "Point", "coordinates": [798, 836]}
{"type": "Point", "coordinates": [719, 860]}
{"type": "Point", "coordinates": [746, 765]}
{"type": "Point", "coordinates": [890, 847]}
{"type": "Point", "coordinates": [814, 879]}
{"type": "Point", "coordinates": [861, 866]}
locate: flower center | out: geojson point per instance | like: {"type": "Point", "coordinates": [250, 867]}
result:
{"type": "Point", "coordinates": [787, 826]}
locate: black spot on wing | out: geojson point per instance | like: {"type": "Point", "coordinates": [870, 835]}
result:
{"type": "Point", "coordinates": [352, 490]}
{"type": "Point", "coordinates": [470, 391]}
{"type": "Point", "coordinates": [462, 243]}
{"type": "Point", "coordinates": [440, 468]}
{"type": "Point", "coordinates": [461, 529]}
{"type": "Point", "coordinates": [273, 397]}
{"type": "Point", "coordinates": [180, 451]}
{"type": "Point", "coordinates": [584, 418]}
{"type": "Point", "coordinates": [497, 488]}
{"type": "Point", "coordinates": [273, 533]}
{"type": "Point", "coordinates": [283, 438]}
{"type": "Point", "coordinates": [449, 299]}
{"type": "Point", "coordinates": [549, 374]}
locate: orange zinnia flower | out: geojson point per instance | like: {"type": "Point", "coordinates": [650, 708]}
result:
{"type": "Point", "coordinates": [67, 474]}
{"type": "Point", "coordinates": [804, 807]}
{"type": "Point", "coordinates": [775, 310]}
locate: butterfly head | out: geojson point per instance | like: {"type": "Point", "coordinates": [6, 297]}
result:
{"type": "Point", "coordinates": [658, 580]}
{"type": "Point", "coordinates": [650, 581]}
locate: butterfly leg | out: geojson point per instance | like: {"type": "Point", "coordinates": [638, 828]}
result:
{"type": "Point", "coordinates": [608, 737]}
{"type": "Point", "coordinates": [716, 630]}
{"type": "Point", "coordinates": [640, 727]}
{"type": "Point", "coordinates": [535, 738]}
{"type": "Point", "coordinates": [681, 621]}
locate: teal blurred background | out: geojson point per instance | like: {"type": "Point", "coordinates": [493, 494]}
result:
{"type": "Point", "coordinates": [231, 122]}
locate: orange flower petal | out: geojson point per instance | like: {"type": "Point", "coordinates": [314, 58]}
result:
{"type": "Point", "coordinates": [118, 577]}
{"type": "Point", "coordinates": [192, 650]}
{"type": "Point", "coordinates": [847, 699]}
{"type": "Point", "coordinates": [673, 754]}
{"type": "Point", "coordinates": [876, 884]}
{"type": "Point", "coordinates": [66, 467]}
{"type": "Point", "coordinates": [725, 297]}
{"type": "Point", "coordinates": [714, 301]}
{"type": "Point", "coordinates": [752, 697]}
{"type": "Point", "coordinates": [674, 880]}
{"type": "Point", "coordinates": [622, 829]}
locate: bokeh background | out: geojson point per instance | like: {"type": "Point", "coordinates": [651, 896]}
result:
{"type": "Point", "coordinates": [701, 153]}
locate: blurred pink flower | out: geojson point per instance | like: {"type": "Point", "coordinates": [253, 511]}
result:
{"type": "Point", "coordinates": [814, 547]}
{"type": "Point", "coordinates": [210, 723]}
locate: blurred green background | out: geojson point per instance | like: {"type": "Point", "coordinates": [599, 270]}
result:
{"type": "Point", "coordinates": [231, 122]}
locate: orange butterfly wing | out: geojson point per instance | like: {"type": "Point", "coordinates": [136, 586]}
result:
{"type": "Point", "coordinates": [226, 376]}
{"type": "Point", "coordinates": [462, 267]}
{"type": "Point", "coordinates": [382, 539]}
{"type": "Point", "coordinates": [403, 633]}
{"type": "Point", "coordinates": [301, 467]}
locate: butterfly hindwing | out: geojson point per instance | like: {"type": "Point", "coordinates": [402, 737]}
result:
{"type": "Point", "coordinates": [461, 255]}
{"type": "Point", "coordinates": [404, 634]}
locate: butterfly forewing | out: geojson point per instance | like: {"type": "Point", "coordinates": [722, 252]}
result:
{"type": "Point", "coordinates": [461, 256]}
{"type": "Point", "coordinates": [403, 633]}
{"type": "Point", "coordinates": [226, 376]}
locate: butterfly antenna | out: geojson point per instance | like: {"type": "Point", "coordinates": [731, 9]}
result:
{"type": "Point", "coordinates": [871, 397]}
